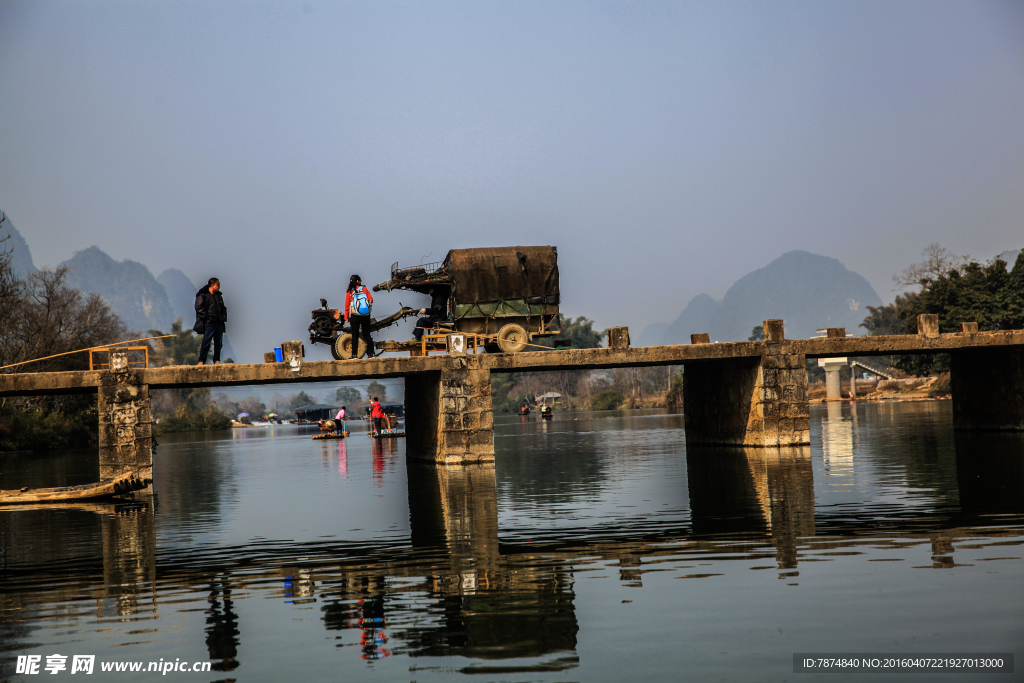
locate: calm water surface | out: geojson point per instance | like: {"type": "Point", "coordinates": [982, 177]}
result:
{"type": "Point", "coordinates": [597, 548]}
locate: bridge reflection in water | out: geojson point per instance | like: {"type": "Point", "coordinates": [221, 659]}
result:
{"type": "Point", "coordinates": [453, 589]}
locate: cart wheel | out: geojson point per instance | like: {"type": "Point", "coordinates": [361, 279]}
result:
{"type": "Point", "coordinates": [336, 349]}
{"type": "Point", "coordinates": [512, 338]}
{"type": "Point", "coordinates": [342, 347]}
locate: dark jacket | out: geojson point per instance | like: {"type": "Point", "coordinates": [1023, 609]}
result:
{"type": "Point", "coordinates": [439, 303]}
{"type": "Point", "coordinates": [209, 306]}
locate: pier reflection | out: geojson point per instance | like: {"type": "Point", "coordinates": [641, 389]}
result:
{"type": "Point", "coordinates": [113, 542]}
{"type": "Point", "coordinates": [493, 607]}
{"type": "Point", "coordinates": [755, 491]}
{"type": "Point", "coordinates": [990, 472]}
{"type": "Point", "coordinates": [837, 440]}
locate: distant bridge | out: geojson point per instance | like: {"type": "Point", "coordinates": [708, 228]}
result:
{"type": "Point", "coordinates": [736, 393]}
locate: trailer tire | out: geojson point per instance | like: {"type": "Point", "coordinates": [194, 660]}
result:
{"type": "Point", "coordinates": [341, 349]}
{"type": "Point", "coordinates": [336, 349]}
{"type": "Point", "coordinates": [512, 338]}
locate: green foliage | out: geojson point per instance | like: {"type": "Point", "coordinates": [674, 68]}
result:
{"type": "Point", "coordinates": [986, 294]}
{"type": "Point", "coordinates": [581, 331]}
{"type": "Point", "coordinates": [300, 399]}
{"type": "Point", "coordinates": [376, 389]}
{"type": "Point", "coordinates": [347, 396]}
{"type": "Point", "coordinates": [42, 430]}
{"type": "Point", "coordinates": [674, 395]}
{"type": "Point", "coordinates": [189, 420]}
{"type": "Point", "coordinates": [756, 334]}
{"type": "Point", "coordinates": [609, 399]}
{"type": "Point", "coordinates": [181, 349]}
{"type": "Point", "coordinates": [512, 404]}
{"type": "Point", "coordinates": [885, 320]}
{"type": "Point", "coordinates": [501, 385]}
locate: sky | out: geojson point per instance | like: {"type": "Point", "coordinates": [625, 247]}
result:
{"type": "Point", "coordinates": [666, 149]}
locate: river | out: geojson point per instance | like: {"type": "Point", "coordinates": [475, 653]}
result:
{"type": "Point", "coordinates": [598, 547]}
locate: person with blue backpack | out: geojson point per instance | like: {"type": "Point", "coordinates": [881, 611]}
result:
{"type": "Point", "coordinates": [358, 302]}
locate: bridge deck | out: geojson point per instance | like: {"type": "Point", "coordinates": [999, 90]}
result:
{"type": "Point", "coordinates": [41, 383]}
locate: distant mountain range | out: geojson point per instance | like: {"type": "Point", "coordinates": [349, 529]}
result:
{"type": "Point", "coordinates": [21, 258]}
{"type": "Point", "coordinates": [808, 291]}
{"type": "Point", "coordinates": [128, 287]}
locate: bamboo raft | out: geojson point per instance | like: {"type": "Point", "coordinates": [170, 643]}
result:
{"type": "Point", "coordinates": [385, 435]}
{"type": "Point", "coordinates": [330, 435]}
{"type": "Point", "coordinates": [126, 483]}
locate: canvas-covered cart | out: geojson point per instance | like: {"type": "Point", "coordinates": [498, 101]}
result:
{"type": "Point", "coordinates": [507, 295]}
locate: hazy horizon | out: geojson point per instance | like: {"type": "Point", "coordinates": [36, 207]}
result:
{"type": "Point", "coordinates": [666, 149]}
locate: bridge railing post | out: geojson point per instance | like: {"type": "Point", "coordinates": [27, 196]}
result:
{"type": "Point", "coordinates": [125, 421]}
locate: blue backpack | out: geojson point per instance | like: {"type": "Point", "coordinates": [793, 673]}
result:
{"type": "Point", "coordinates": [360, 303]}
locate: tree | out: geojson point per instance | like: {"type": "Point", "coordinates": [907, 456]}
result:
{"type": "Point", "coordinates": [44, 316]}
{"type": "Point", "coordinates": [347, 396]}
{"type": "Point", "coordinates": [938, 262]}
{"type": "Point", "coordinates": [41, 315]}
{"type": "Point", "coordinates": [986, 294]}
{"type": "Point", "coordinates": [756, 334]}
{"type": "Point", "coordinates": [300, 399]}
{"type": "Point", "coordinates": [581, 331]}
{"type": "Point", "coordinates": [376, 390]}
{"type": "Point", "coordinates": [181, 349]}
{"type": "Point", "coordinates": [884, 320]}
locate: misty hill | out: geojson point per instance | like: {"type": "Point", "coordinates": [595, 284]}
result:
{"type": "Point", "coordinates": [127, 286]}
{"type": "Point", "coordinates": [181, 294]}
{"type": "Point", "coordinates": [21, 259]}
{"type": "Point", "coordinates": [651, 335]}
{"type": "Point", "coordinates": [696, 317]}
{"type": "Point", "coordinates": [806, 290]}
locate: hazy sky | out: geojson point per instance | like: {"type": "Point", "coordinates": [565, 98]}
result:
{"type": "Point", "coordinates": [666, 148]}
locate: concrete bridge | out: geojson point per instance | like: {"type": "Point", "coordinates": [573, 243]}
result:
{"type": "Point", "coordinates": [751, 394]}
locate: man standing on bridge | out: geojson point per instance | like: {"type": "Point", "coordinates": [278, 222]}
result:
{"type": "Point", "coordinates": [211, 315]}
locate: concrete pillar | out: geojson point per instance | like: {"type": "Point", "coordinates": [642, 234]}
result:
{"type": "Point", "coordinates": [448, 414]}
{"type": "Point", "coordinates": [748, 401]}
{"type": "Point", "coordinates": [833, 385]}
{"type": "Point", "coordinates": [126, 423]}
{"type": "Point", "coordinates": [988, 389]}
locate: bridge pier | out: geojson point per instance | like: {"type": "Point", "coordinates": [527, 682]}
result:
{"type": "Point", "coordinates": [988, 389]}
{"type": "Point", "coordinates": [449, 418]}
{"type": "Point", "coordinates": [126, 423]}
{"type": "Point", "coordinates": [754, 402]}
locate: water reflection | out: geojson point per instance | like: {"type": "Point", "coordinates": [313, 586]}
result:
{"type": "Point", "coordinates": [494, 607]}
{"type": "Point", "coordinates": [990, 472]}
{"type": "Point", "coordinates": [837, 440]}
{"type": "Point", "coordinates": [482, 579]}
{"type": "Point", "coordinates": [753, 491]}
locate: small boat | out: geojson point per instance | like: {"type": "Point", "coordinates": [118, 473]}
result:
{"type": "Point", "coordinates": [125, 483]}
